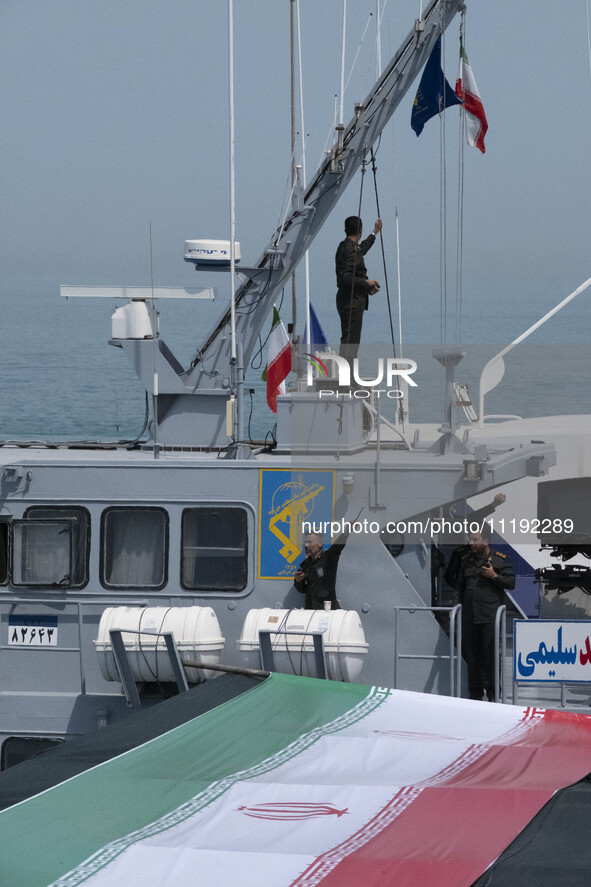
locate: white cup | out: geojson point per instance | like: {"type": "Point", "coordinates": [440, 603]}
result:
{"type": "Point", "coordinates": [328, 605]}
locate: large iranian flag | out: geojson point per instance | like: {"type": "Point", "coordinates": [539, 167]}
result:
{"type": "Point", "coordinates": [466, 89]}
{"type": "Point", "coordinates": [279, 361]}
{"type": "Point", "coordinates": [302, 782]}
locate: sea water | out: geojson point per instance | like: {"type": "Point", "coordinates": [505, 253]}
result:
{"type": "Point", "coordinates": [62, 380]}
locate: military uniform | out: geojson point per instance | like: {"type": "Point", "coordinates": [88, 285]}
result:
{"type": "Point", "coordinates": [353, 291]}
{"type": "Point", "coordinates": [458, 553]}
{"type": "Point", "coordinates": [480, 598]}
{"type": "Point", "coordinates": [319, 583]}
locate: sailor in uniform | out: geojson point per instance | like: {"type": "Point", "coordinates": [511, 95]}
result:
{"type": "Point", "coordinates": [354, 287]}
{"type": "Point", "coordinates": [317, 574]}
{"type": "Point", "coordinates": [484, 577]}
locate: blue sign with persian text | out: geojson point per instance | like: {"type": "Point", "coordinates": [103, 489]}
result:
{"type": "Point", "coordinates": [547, 650]}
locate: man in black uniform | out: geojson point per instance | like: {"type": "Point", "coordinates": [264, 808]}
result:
{"type": "Point", "coordinates": [352, 281]}
{"type": "Point", "coordinates": [317, 574]}
{"type": "Point", "coordinates": [458, 554]}
{"type": "Point", "coordinates": [484, 577]}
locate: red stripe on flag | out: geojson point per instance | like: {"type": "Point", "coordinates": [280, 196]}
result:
{"type": "Point", "coordinates": [276, 373]}
{"type": "Point", "coordinates": [473, 105]}
{"type": "Point", "coordinates": [455, 826]}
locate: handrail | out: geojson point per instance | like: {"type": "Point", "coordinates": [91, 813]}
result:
{"type": "Point", "coordinates": [455, 644]}
{"type": "Point", "coordinates": [500, 647]}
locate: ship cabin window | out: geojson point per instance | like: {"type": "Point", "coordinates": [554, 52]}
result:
{"type": "Point", "coordinates": [134, 547]}
{"type": "Point", "coordinates": [76, 539]}
{"type": "Point", "coordinates": [19, 748]}
{"type": "Point", "coordinates": [3, 552]}
{"type": "Point", "coordinates": [214, 549]}
{"type": "Point", "coordinates": [46, 548]}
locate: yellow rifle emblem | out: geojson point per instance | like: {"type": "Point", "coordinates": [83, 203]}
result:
{"type": "Point", "coordinates": [292, 513]}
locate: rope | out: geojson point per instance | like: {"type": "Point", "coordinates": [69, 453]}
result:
{"type": "Point", "coordinates": [442, 230]}
{"type": "Point", "coordinates": [357, 56]}
{"type": "Point", "coordinates": [363, 165]}
{"type": "Point", "coordinates": [442, 234]}
{"type": "Point", "coordinates": [375, 183]}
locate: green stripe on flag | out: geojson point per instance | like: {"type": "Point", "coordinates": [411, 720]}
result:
{"type": "Point", "coordinates": [154, 787]}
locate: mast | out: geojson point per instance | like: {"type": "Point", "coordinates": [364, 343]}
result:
{"type": "Point", "coordinates": [294, 304]}
{"type": "Point", "coordinates": [290, 242]}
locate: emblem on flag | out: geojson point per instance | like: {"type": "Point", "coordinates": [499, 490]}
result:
{"type": "Point", "coordinates": [291, 810]}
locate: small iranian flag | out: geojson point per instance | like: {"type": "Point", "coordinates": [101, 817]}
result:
{"type": "Point", "coordinates": [466, 89]}
{"type": "Point", "coordinates": [279, 361]}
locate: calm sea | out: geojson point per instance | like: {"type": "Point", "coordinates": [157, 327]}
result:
{"type": "Point", "coordinates": [62, 380]}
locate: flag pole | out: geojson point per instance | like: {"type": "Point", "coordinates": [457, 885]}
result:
{"type": "Point", "coordinates": [303, 172]}
{"type": "Point", "coordinates": [342, 102]}
{"type": "Point", "coordinates": [294, 304]}
{"type": "Point", "coordinates": [237, 370]}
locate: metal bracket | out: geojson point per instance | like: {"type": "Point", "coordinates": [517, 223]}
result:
{"type": "Point", "coordinates": [124, 668]}
{"type": "Point", "coordinates": [267, 663]}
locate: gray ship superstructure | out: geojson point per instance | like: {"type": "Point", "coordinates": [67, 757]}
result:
{"type": "Point", "coordinates": [195, 517]}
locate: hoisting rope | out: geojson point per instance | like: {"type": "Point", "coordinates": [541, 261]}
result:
{"type": "Point", "coordinates": [375, 184]}
{"type": "Point", "coordinates": [401, 403]}
{"type": "Point", "coordinates": [363, 165]}
{"type": "Point", "coordinates": [442, 232]}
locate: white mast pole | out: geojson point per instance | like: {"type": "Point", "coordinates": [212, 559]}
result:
{"type": "Point", "coordinates": [342, 107]}
{"type": "Point", "coordinates": [303, 183]}
{"type": "Point", "coordinates": [398, 278]}
{"type": "Point", "coordinates": [238, 369]}
{"type": "Point", "coordinates": [292, 9]}
{"type": "Point", "coordinates": [232, 183]}
{"type": "Point", "coordinates": [379, 37]}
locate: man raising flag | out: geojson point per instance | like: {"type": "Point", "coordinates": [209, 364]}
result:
{"type": "Point", "coordinates": [466, 89]}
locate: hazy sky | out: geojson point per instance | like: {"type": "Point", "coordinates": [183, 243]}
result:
{"type": "Point", "coordinates": [115, 116]}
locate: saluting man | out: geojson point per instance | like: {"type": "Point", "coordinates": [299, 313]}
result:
{"type": "Point", "coordinates": [484, 577]}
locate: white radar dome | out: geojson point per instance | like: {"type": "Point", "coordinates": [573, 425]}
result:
{"type": "Point", "coordinates": [210, 252]}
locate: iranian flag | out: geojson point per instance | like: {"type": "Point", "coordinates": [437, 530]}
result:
{"type": "Point", "coordinates": [466, 89]}
{"type": "Point", "coordinates": [279, 361]}
{"type": "Point", "coordinates": [300, 782]}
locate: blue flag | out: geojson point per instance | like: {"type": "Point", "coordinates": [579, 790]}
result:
{"type": "Point", "coordinates": [317, 335]}
{"type": "Point", "coordinates": [434, 94]}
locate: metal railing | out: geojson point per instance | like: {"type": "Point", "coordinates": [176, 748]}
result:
{"type": "Point", "coordinates": [455, 645]}
{"type": "Point", "coordinates": [500, 652]}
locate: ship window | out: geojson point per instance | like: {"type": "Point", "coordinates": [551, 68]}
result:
{"type": "Point", "coordinates": [134, 548]}
{"type": "Point", "coordinates": [42, 552]}
{"type": "Point", "coordinates": [80, 536]}
{"type": "Point", "coordinates": [3, 552]}
{"type": "Point", "coordinates": [215, 549]}
{"type": "Point", "coordinates": [19, 748]}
